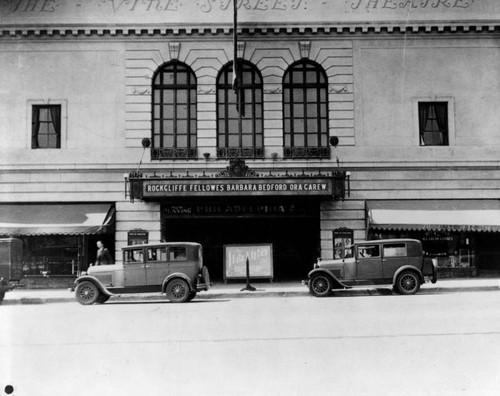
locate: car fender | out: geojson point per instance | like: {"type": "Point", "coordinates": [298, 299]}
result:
{"type": "Point", "coordinates": [96, 281]}
{"type": "Point", "coordinates": [337, 284]}
{"type": "Point", "coordinates": [177, 275]}
{"type": "Point", "coordinates": [411, 268]}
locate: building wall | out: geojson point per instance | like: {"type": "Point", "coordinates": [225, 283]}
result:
{"type": "Point", "coordinates": [374, 82]}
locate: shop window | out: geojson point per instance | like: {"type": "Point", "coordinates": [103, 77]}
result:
{"type": "Point", "coordinates": [174, 113]}
{"type": "Point", "coordinates": [240, 123]}
{"type": "Point", "coordinates": [305, 111]}
{"type": "Point", "coordinates": [342, 243]}
{"type": "Point", "coordinates": [52, 255]}
{"type": "Point", "coordinates": [433, 123]}
{"type": "Point", "coordinates": [46, 127]}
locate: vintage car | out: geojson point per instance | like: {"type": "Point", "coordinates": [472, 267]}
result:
{"type": "Point", "coordinates": [399, 262]}
{"type": "Point", "coordinates": [173, 268]}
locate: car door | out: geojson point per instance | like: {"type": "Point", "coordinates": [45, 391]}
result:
{"type": "Point", "coordinates": [157, 265]}
{"type": "Point", "coordinates": [369, 262]}
{"type": "Point", "coordinates": [394, 257]}
{"type": "Point", "coordinates": [134, 268]}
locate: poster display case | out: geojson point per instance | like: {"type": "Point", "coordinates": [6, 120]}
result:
{"type": "Point", "coordinates": [260, 259]}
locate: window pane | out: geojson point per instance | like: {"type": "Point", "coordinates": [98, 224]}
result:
{"type": "Point", "coordinates": [298, 125]}
{"type": "Point", "coordinates": [311, 77]}
{"type": "Point", "coordinates": [44, 114]}
{"type": "Point", "coordinates": [182, 127]}
{"type": "Point", "coordinates": [286, 95]}
{"type": "Point", "coordinates": [168, 78]}
{"type": "Point", "coordinates": [222, 126]}
{"type": "Point", "coordinates": [312, 125]}
{"type": "Point", "coordinates": [182, 141]}
{"type": "Point", "coordinates": [312, 95]}
{"type": "Point", "coordinates": [298, 110]}
{"type": "Point", "coordinates": [157, 96]}
{"type": "Point", "coordinates": [168, 111]}
{"type": "Point", "coordinates": [298, 95]}
{"type": "Point", "coordinates": [182, 78]}
{"type": "Point", "coordinates": [156, 111]}
{"type": "Point", "coordinates": [286, 111]}
{"type": "Point", "coordinates": [234, 141]}
{"type": "Point", "coordinates": [233, 126]}
{"type": "Point", "coordinates": [247, 141]}
{"type": "Point", "coordinates": [247, 126]}
{"type": "Point", "coordinates": [168, 126]}
{"type": "Point", "coordinates": [297, 77]}
{"type": "Point", "coordinates": [168, 141]}
{"type": "Point", "coordinates": [156, 127]}
{"type": "Point", "coordinates": [299, 140]}
{"type": "Point", "coordinates": [312, 110]}
{"type": "Point", "coordinates": [168, 96]}
{"type": "Point", "coordinates": [312, 140]}
{"type": "Point", "coordinates": [181, 96]}
{"type": "Point", "coordinates": [182, 111]}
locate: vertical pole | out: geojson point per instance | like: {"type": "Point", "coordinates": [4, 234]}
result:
{"type": "Point", "coordinates": [236, 71]}
{"type": "Point", "coordinates": [248, 287]}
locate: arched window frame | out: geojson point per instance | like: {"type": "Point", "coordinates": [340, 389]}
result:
{"type": "Point", "coordinates": [240, 136]}
{"type": "Point", "coordinates": [174, 113]}
{"type": "Point", "coordinates": [305, 111]}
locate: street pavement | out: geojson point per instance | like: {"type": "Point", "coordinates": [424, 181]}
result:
{"type": "Point", "coordinates": [263, 289]}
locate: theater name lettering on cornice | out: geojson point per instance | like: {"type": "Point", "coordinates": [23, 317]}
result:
{"type": "Point", "coordinates": [413, 4]}
{"type": "Point", "coordinates": [23, 7]}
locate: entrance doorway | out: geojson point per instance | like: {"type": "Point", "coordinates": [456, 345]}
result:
{"type": "Point", "coordinates": [295, 240]}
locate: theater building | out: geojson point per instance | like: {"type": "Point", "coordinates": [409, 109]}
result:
{"type": "Point", "coordinates": [121, 122]}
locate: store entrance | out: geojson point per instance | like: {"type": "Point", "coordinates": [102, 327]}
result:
{"type": "Point", "coordinates": [295, 240]}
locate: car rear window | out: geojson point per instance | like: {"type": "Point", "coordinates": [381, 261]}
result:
{"type": "Point", "coordinates": [395, 250]}
{"type": "Point", "coordinates": [177, 253]}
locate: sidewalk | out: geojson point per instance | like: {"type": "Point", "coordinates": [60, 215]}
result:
{"type": "Point", "coordinates": [263, 289]}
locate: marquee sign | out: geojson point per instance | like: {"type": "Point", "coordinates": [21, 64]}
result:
{"type": "Point", "coordinates": [171, 188]}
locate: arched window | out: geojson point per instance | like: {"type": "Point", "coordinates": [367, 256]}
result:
{"type": "Point", "coordinates": [174, 112]}
{"type": "Point", "coordinates": [240, 136]}
{"type": "Point", "coordinates": [305, 111]}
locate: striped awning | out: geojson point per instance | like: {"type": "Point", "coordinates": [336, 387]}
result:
{"type": "Point", "coordinates": [434, 215]}
{"type": "Point", "coordinates": [50, 219]}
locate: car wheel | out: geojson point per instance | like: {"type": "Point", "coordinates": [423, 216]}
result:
{"type": "Point", "coordinates": [178, 290]}
{"type": "Point", "coordinates": [407, 283]}
{"type": "Point", "coordinates": [2, 295]}
{"type": "Point", "coordinates": [102, 298]}
{"type": "Point", "coordinates": [87, 293]}
{"type": "Point", "coordinates": [320, 285]}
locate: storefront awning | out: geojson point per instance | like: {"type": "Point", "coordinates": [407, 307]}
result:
{"type": "Point", "coordinates": [50, 219]}
{"type": "Point", "coordinates": [436, 215]}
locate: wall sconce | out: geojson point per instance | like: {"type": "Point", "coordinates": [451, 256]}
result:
{"type": "Point", "coordinates": [274, 156]}
{"type": "Point", "coordinates": [206, 155]}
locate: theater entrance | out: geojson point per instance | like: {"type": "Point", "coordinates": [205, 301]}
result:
{"type": "Point", "coordinates": [291, 227]}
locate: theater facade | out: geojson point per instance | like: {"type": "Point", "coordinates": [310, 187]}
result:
{"type": "Point", "coordinates": [345, 121]}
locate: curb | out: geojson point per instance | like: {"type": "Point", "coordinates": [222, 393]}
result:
{"type": "Point", "coordinates": [387, 291]}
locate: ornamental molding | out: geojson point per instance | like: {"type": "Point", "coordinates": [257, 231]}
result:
{"type": "Point", "coordinates": [188, 30]}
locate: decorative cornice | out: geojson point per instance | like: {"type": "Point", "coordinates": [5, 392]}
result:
{"type": "Point", "coordinates": [180, 30]}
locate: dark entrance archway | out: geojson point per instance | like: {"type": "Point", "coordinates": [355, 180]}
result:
{"type": "Point", "coordinates": [292, 227]}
